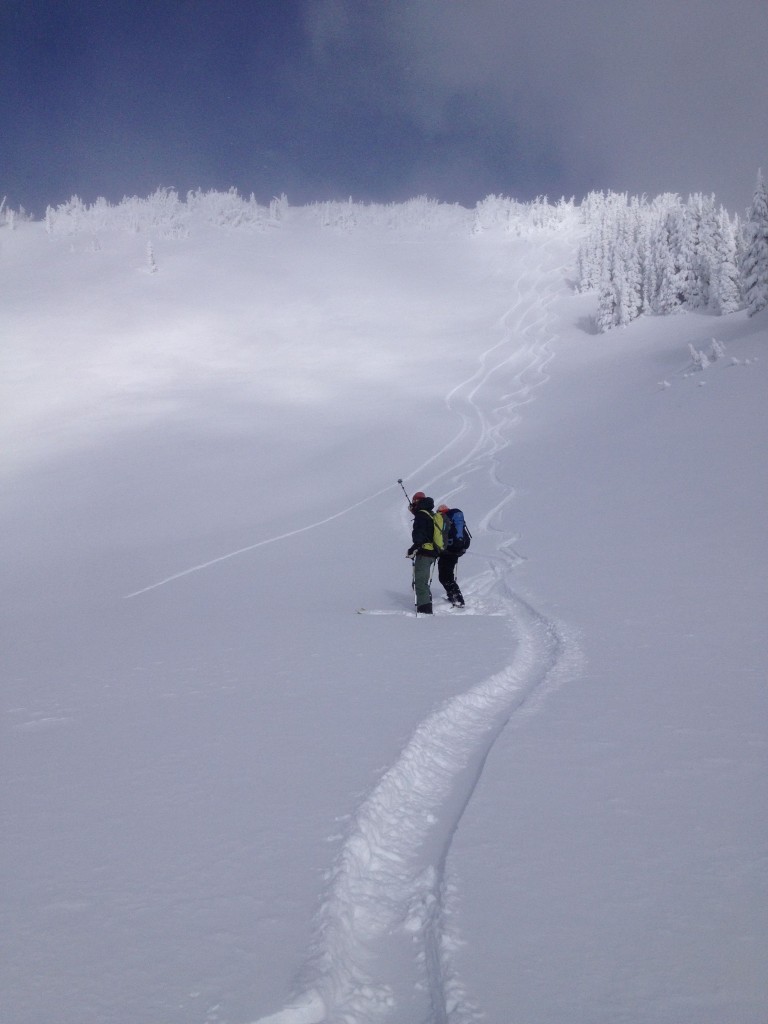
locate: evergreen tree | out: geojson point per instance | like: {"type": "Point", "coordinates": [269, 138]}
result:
{"type": "Point", "coordinates": [754, 268]}
{"type": "Point", "coordinates": [672, 274]}
{"type": "Point", "coordinates": [648, 269]}
{"type": "Point", "coordinates": [606, 317]}
{"type": "Point", "coordinates": [725, 294]}
{"type": "Point", "coordinates": [702, 237]}
{"type": "Point", "coordinates": [626, 277]}
{"type": "Point", "coordinates": [658, 256]}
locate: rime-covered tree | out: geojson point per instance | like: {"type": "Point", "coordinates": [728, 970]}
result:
{"type": "Point", "coordinates": [725, 291]}
{"type": "Point", "coordinates": [606, 316]}
{"type": "Point", "coordinates": [702, 257]}
{"type": "Point", "coordinates": [601, 213]}
{"type": "Point", "coordinates": [626, 278]}
{"type": "Point", "coordinates": [658, 256]}
{"type": "Point", "coordinates": [671, 263]}
{"type": "Point", "coordinates": [754, 267]}
{"type": "Point", "coordinates": [648, 270]}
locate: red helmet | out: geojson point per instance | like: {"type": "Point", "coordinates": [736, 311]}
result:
{"type": "Point", "coordinates": [418, 496]}
{"type": "Point", "coordinates": [443, 508]}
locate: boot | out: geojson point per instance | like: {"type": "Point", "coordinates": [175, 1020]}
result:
{"type": "Point", "coordinates": [424, 609]}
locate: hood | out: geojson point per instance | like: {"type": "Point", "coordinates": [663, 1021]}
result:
{"type": "Point", "coordinates": [424, 503]}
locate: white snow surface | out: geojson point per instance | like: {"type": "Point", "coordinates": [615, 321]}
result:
{"type": "Point", "coordinates": [226, 796]}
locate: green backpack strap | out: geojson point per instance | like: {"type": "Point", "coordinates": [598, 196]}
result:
{"type": "Point", "coordinates": [437, 544]}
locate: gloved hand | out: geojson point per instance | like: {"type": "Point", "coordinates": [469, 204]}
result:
{"type": "Point", "coordinates": [411, 551]}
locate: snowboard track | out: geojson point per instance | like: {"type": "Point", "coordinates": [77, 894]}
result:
{"type": "Point", "coordinates": [384, 925]}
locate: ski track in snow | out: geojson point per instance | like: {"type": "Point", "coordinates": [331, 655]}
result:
{"type": "Point", "coordinates": [385, 907]}
{"type": "Point", "coordinates": [258, 544]}
{"type": "Point", "coordinates": [383, 934]}
{"type": "Point", "coordinates": [518, 323]}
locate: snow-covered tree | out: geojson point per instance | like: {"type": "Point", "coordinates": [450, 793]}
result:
{"type": "Point", "coordinates": [151, 261]}
{"type": "Point", "coordinates": [10, 217]}
{"type": "Point", "coordinates": [725, 292]}
{"type": "Point", "coordinates": [670, 255]}
{"type": "Point", "coordinates": [607, 306]}
{"type": "Point", "coordinates": [702, 232]}
{"type": "Point", "coordinates": [658, 256]}
{"type": "Point", "coordinates": [627, 279]}
{"type": "Point", "coordinates": [648, 270]}
{"type": "Point", "coordinates": [717, 350]}
{"type": "Point", "coordinates": [754, 268]}
{"type": "Point", "coordinates": [602, 213]}
{"type": "Point", "coordinates": [699, 358]}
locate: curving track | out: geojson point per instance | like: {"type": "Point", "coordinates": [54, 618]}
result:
{"type": "Point", "coordinates": [386, 894]}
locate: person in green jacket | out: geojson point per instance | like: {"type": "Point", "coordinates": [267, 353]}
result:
{"type": "Point", "coordinates": [422, 549]}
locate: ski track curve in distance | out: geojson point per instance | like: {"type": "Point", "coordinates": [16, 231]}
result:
{"type": "Point", "coordinates": [383, 933]}
{"type": "Point", "coordinates": [260, 543]}
{"type": "Point", "coordinates": [490, 363]}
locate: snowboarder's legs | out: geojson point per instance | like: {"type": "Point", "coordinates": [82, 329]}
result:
{"type": "Point", "coordinates": [446, 570]}
{"type": "Point", "coordinates": [422, 569]}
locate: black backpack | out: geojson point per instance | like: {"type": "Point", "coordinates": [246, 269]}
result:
{"type": "Point", "coordinates": [459, 537]}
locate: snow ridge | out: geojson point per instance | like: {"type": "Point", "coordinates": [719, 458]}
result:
{"type": "Point", "coordinates": [387, 891]}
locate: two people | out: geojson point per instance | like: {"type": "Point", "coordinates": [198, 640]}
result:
{"type": "Point", "coordinates": [424, 552]}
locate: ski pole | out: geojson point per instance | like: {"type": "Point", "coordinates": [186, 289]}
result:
{"type": "Point", "coordinates": [400, 481]}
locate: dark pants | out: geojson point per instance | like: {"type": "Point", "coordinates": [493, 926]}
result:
{"type": "Point", "coordinates": [446, 573]}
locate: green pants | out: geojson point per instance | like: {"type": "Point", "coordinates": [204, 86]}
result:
{"type": "Point", "coordinates": [422, 567]}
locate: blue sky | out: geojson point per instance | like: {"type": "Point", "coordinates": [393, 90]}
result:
{"type": "Point", "coordinates": [382, 100]}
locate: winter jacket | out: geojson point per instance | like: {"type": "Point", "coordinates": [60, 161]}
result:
{"type": "Point", "coordinates": [423, 528]}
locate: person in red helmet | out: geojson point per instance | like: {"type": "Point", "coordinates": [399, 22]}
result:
{"type": "Point", "coordinates": [455, 548]}
{"type": "Point", "coordinates": [422, 549]}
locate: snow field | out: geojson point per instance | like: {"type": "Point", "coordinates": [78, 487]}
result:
{"type": "Point", "coordinates": [228, 793]}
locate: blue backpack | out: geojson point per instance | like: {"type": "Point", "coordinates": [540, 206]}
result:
{"type": "Point", "coordinates": [459, 537]}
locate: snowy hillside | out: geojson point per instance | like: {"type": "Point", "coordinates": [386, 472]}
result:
{"type": "Point", "coordinates": [226, 795]}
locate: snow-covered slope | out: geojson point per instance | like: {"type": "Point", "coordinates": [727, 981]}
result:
{"type": "Point", "coordinates": [229, 796]}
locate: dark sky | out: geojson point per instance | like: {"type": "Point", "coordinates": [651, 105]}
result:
{"type": "Point", "coordinates": [382, 99]}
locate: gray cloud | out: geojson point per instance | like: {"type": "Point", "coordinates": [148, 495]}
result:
{"type": "Point", "coordinates": [384, 99]}
{"type": "Point", "coordinates": [652, 96]}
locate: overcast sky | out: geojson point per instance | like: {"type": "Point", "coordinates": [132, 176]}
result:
{"type": "Point", "coordinates": [382, 100]}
